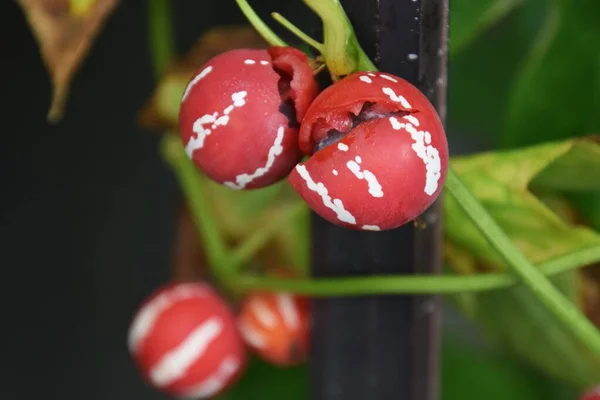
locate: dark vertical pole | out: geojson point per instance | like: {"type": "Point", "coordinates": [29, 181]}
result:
{"type": "Point", "coordinates": [384, 347]}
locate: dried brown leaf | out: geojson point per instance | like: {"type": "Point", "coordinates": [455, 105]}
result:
{"type": "Point", "coordinates": [64, 37]}
{"type": "Point", "coordinates": [160, 112]}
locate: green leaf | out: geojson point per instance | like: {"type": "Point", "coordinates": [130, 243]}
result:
{"type": "Point", "coordinates": [479, 74]}
{"type": "Point", "coordinates": [588, 205]}
{"type": "Point", "coordinates": [470, 19]}
{"type": "Point", "coordinates": [531, 332]}
{"type": "Point", "coordinates": [263, 381]}
{"type": "Point", "coordinates": [556, 93]}
{"type": "Point", "coordinates": [502, 182]}
{"type": "Point", "coordinates": [470, 372]}
{"type": "Point", "coordinates": [576, 170]}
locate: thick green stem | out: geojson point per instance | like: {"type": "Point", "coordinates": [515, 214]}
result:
{"type": "Point", "coordinates": [342, 52]}
{"type": "Point", "coordinates": [258, 24]}
{"type": "Point", "coordinates": [412, 284]}
{"type": "Point", "coordinates": [532, 277]}
{"type": "Point", "coordinates": [160, 35]}
{"type": "Point", "coordinates": [191, 182]}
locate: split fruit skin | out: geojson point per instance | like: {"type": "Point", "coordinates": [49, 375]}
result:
{"type": "Point", "coordinates": [240, 114]}
{"type": "Point", "coordinates": [378, 153]}
{"type": "Point", "coordinates": [276, 326]}
{"type": "Point", "coordinates": [185, 341]}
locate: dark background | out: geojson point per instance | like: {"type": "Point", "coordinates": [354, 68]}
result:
{"type": "Point", "coordinates": [87, 206]}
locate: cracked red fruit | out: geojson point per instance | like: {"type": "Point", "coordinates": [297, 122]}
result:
{"type": "Point", "coordinates": [276, 327]}
{"type": "Point", "coordinates": [240, 115]}
{"type": "Point", "coordinates": [185, 341]}
{"type": "Point", "coordinates": [378, 151]}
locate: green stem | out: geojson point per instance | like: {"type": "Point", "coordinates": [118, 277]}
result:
{"type": "Point", "coordinates": [296, 31]}
{"type": "Point", "coordinates": [160, 35]}
{"type": "Point", "coordinates": [190, 181]}
{"type": "Point", "coordinates": [532, 277]}
{"type": "Point", "coordinates": [411, 284]}
{"type": "Point", "coordinates": [258, 24]}
{"type": "Point", "coordinates": [342, 51]}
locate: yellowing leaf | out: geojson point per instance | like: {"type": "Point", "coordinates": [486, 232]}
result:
{"type": "Point", "coordinates": [508, 183]}
{"type": "Point", "coordinates": [502, 180]}
{"type": "Point", "coordinates": [65, 31]}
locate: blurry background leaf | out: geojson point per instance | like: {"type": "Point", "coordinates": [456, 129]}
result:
{"type": "Point", "coordinates": [556, 93]}
{"type": "Point", "coordinates": [479, 73]}
{"type": "Point", "coordinates": [576, 170]}
{"type": "Point", "coordinates": [470, 19]}
{"type": "Point", "coordinates": [531, 332]}
{"type": "Point", "coordinates": [543, 228]}
{"type": "Point", "coordinates": [588, 205]}
{"type": "Point", "coordinates": [64, 36]}
{"type": "Point", "coordinates": [501, 182]}
{"type": "Point", "coordinates": [470, 372]}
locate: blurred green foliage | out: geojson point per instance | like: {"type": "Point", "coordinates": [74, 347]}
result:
{"type": "Point", "coordinates": [532, 76]}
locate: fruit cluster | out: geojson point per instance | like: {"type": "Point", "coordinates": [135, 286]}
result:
{"type": "Point", "coordinates": [188, 342]}
{"type": "Point", "coordinates": [376, 157]}
{"type": "Point", "coordinates": [377, 151]}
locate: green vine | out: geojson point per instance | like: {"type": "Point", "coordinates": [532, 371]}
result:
{"type": "Point", "coordinates": [411, 284]}
{"type": "Point", "coordinates": [161, 38]}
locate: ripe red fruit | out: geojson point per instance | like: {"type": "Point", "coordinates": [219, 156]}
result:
{"type": "Point", "coordinates": [592, 394]}
{"type": "Point", "coordinates": [379, 153]}
{"type": "Point", "coordinates": [185, 341]}
{"type": "Point", "coordinates": [276, 326]}
{"type": "Point", "coordinates": [240, 115]}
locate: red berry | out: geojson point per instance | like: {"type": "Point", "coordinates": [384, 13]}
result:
{"type": "Point", "coordinates": [185, 341]}
{"type": "Point", "coordinates": [276, 326]}
{"type": "Point", "coordinates": [379, 153]}
{"type": "Point", "coordinates": [592, 394]}
{"type": "Point", "coordinates": [240, 114]}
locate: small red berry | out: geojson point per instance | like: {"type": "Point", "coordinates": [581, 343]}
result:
{"type": "Point", "coordinates": [379, 153]}
{"type": "Point", "coordinates": [185, 341]}
{"type": "Point", "coordinates": [240, 114]}
{"type": "Point", "coordinates": [276, 326]}
{"type": "Point", "coordinates": [592, 394]}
